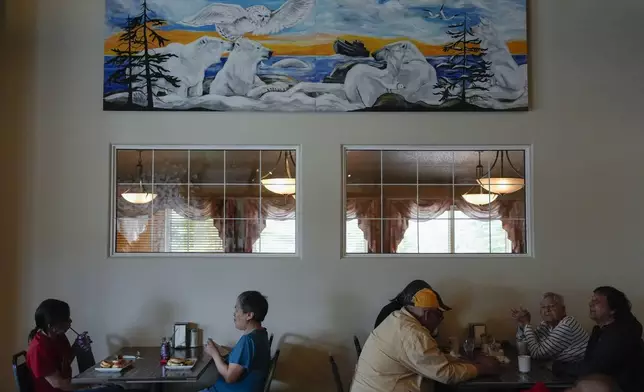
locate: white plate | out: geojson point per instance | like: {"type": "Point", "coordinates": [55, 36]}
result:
{"type": "Point", "coordinates": [194, 362]}
{"type": "Point", "coordinates": [112, 370]}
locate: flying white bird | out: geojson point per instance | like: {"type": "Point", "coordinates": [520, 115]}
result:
{"type": "Point", "coordinates": [233, 21]}
{"type": "Point", "coordinates": [440, 14]}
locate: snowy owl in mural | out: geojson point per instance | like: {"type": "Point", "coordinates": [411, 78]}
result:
{"type": "Point", "coordinates": [233, 21]}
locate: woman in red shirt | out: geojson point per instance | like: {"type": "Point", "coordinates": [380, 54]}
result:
{"type": "Point", "coordinates": [49, 356]}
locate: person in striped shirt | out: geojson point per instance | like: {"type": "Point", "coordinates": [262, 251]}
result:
{"type": "Point", "coordinates": [558, 337]}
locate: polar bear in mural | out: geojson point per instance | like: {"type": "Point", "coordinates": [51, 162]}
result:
{"type": "Point", "coordinates": [189, 65]}
{"type": "Point", "coordinates": [408, 74]}
{"type": "Point", "coordinates": [510, 80]}
{"type": "Point", "coordinates": [238, 77]}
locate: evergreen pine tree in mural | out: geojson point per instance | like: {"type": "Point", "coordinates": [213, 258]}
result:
{"type": "Point", "coordinates": [139, 67]}
{"type": "Point", "coordinates": [465, 72]}
{"type": "Point", "coordinates": [126, 60]}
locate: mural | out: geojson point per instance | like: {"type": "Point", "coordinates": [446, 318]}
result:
{"type": "Point", "coordinates": [316, 55]}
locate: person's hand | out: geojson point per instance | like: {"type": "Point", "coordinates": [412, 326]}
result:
{"type": "Point", "coordinates": [211, 348]}
{"type": "Point", "coordinates": [83, 341]}
{"type": "Point", "coordinates": [486, 366]}
{"type": "Point", "coordinates": [521, 315]}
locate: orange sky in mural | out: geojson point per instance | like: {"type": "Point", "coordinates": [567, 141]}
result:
{"type": "Point", "coordinates": [320, 44]}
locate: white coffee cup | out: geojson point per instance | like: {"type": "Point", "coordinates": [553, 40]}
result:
{"type": "Point", "coordinates": [524, 364]}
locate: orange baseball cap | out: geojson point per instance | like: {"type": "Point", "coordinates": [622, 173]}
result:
{"type": "Point", "coordinates": [428, 298]}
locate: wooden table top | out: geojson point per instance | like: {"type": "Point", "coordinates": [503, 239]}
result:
{"type": "Point", "coordinates": [148, 369]}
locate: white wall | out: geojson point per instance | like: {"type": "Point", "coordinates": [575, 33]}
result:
{"type": "Point", "coordinates": [16, 128]}
{"type": "Point", "coordinates": [586, 126]}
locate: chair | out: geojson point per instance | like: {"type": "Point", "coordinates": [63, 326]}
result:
{"type": "Point", "coordinates": [21, 373]}
{"type": "Point", "coordinates": [356, 343]}
{"type": "Point", "coordinates": [336, 374]}
{"type": "Point", "coordinates": [271, 371]}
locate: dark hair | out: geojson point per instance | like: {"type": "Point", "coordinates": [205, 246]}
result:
{"type": "Point", "coordinates": [253, 302]}
{"type": "Point", "coordinates": [405, 297]}
{"type": "Point", "coordinates": [617, 302]}
{"type": "Point", "coordinates": [49, 313]}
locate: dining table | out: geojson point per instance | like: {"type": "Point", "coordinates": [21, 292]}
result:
{"type": "Point", "coordinates": [147, 368]}
{"type": "Point", "coordinates": [510, 378]}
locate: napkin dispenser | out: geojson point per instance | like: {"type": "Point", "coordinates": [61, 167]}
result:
{"type": "Point", "coordinates": [476, 331]}
{"type": "Point", "coordinates": [181, 335]}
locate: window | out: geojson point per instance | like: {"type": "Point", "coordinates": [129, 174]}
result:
{"type": "Point", "coordinates": [356, 242]}
{"type": "Point", "coordinates": [430, 201]}
{"type": "Point", "coordinates": [205, 201]}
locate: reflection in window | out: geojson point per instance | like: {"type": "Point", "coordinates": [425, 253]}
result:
{"type": "Point", "coordinates": [204, 201]}
{"type": "Point", "coordinates": [455, 233]}
{"type": "Point", "coordinates": [413, 202]}
{"type": "Point", "coordinates": [277, 237]}
{"type": "Point", "coordinates": [355, 238]}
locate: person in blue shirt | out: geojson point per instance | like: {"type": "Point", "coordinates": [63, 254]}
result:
{"type": "Point", "coordinates": [249, 360]}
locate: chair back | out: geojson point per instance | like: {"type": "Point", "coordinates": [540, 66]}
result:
{"type": "Point", "coordinates": [336, 374]}
{"type": "Point", "coordinates": [21, 373]}
{"type": "Point", "coordinates": [356, 343]}
{"type": "Point", "coordinates": [271, 371]}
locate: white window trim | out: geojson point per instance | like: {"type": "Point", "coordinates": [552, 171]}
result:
{"type": "Point", "coordinates": [298, 191]}
{"type": "Point", "coordinates": [529, 234]}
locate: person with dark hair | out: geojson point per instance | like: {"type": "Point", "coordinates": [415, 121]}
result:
{"type": "Point", "coordinates": [49, 356]}
{"type": "Point", "coordinates": [402, 299]}
{"type": "Point", "coordinates": [402, 356]}
{"type": "Point", "coordinates": [248, 363]}
{"type": "Point", "coordinates": [615, 348]}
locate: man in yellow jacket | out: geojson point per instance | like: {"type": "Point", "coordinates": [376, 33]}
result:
{"type": "Point", "coordinates": [402, 356]}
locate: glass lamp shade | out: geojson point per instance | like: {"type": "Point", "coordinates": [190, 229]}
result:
{"type": "Point", "coordinates": [480, 199]}
{"type": "Point", "coordinates": [139, 197]}
{"type": "Point", "coordinates": [281, 186]}
{"type": "Point", "coordinates": [501, 185]}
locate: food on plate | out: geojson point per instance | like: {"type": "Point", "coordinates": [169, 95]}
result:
{"type": "Point", "coordinates": [180, 362]}
{"type": "Point", "coordinates": [119, 363]}
{"type": "Point", "coordinates": [175, 362]}
{"type": "Point", "coordinates": [105, 364]}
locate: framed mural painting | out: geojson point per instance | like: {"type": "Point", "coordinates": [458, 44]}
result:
{"type": "Point", "coordinates": [316, 55]}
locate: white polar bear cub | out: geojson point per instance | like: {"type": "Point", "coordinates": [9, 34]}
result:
{"type": "Point", "coordinates": [239, 74]}
{"type": "Point", "coordinates": [189, 65]}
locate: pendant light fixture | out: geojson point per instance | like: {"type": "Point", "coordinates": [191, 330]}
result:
{"type": "Point", "coordinates": [139, 196]}
{"type": "Point", "coordinates": [480, 198]}
{"type": "Point", "coordinates": [502, 184]}
{"type": "Point", "coordinates": [281, 185]}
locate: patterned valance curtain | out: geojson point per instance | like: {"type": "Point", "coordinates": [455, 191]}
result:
{"type": "Point", "coordinates": [239, 223]}
{"type": "Point", "coordinates": [398, 212]}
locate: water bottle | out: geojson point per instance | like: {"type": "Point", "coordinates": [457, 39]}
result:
{"type": "Point", "coordinates": [83, 341]}
{"type": "Point", "coordinates": [165, 349]}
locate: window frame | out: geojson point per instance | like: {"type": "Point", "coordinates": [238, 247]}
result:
{"type": "Point", "coordinates": [529, 229]}
{"type": "Point", "coordinates": [112, 199]}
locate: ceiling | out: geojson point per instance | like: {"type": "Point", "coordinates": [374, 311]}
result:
{"type": "Point", "coordinates": [363, 166]}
